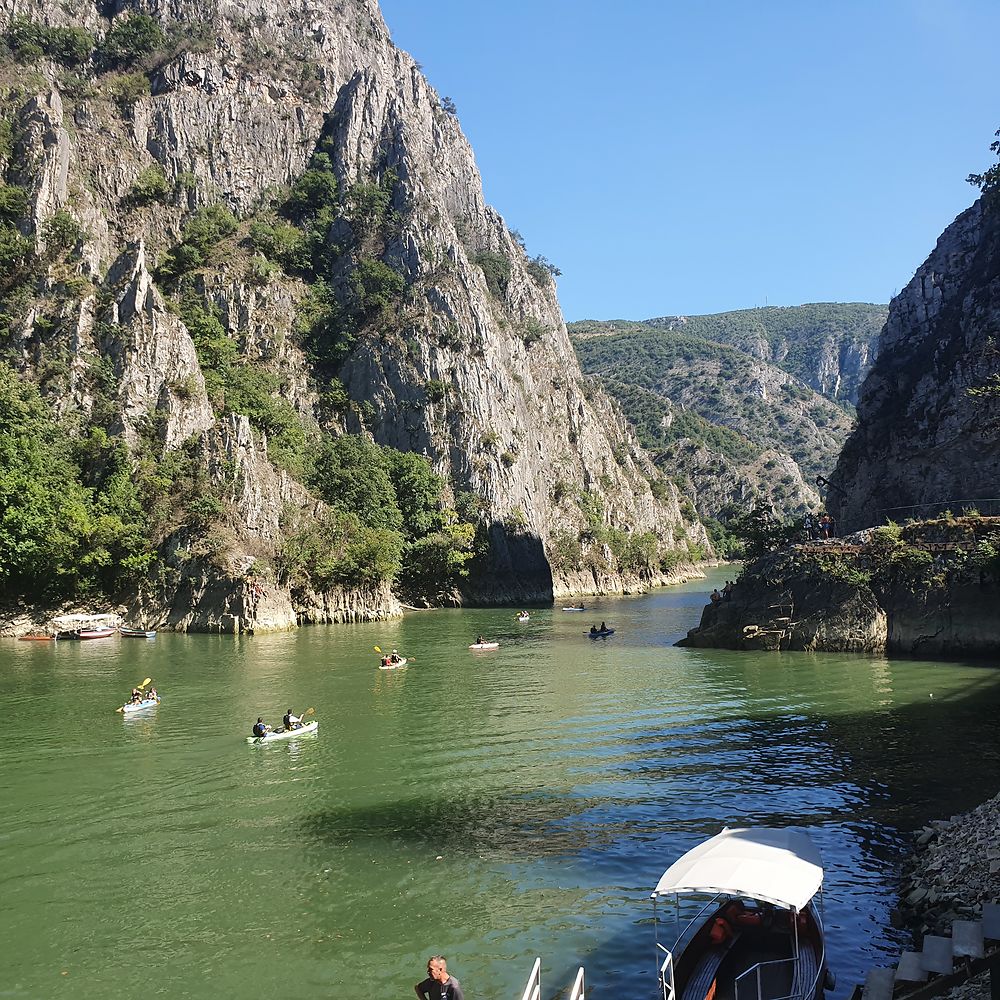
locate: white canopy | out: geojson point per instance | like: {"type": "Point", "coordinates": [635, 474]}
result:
{"type": "Point", "coordinates": [776, 866]}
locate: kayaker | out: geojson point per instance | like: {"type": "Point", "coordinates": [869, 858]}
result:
{"type": "Point", "coordinates": [395, 656]}
{"type": "Point", "coordinates": [593, 630]}
{"type": "Point", "coordinates": [604, 627]}
{"type": "Point", "coordinates": [438, 985]}
{"type": "Point", "coordinates": [291, 721]}
{"type": "Point", "coordinates": [136, 696]}
{"type": "Point", "coordinates": [152, 695]}
{"type": "Point", "coordinates": [260, 727]}
{"type": "Point", "coordinates": [480, 641]}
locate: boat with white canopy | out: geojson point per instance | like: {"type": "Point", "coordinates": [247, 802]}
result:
{"type": "Point", "coordinates": [756, 933]}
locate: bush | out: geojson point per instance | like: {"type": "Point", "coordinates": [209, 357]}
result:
{"type": "Point", "coordinates": [150, 185]}
{"type": "Point", "coordinates": [435, 390]}
{"type": "Point", "coordinates": [30, 41]}
{"type": "Point", "coordinates": [533, 331]}
{"type": "Point", "coordinates": [128, 40]}
{"type": "Point", "coordinates": [61, 233]}
{"type": "Point", "coordinates": [13, 203]}
{"type": "Point", "coordinates": [208, 227]}
{"type": "Point", "coordinates": [126, 89]}
{"type": "Point", "coordinates": [496, 271]}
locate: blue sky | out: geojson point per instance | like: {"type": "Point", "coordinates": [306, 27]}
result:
{"type": "Point", "coordinates": [691, 156]}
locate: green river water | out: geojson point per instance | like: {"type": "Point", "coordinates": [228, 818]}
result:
{"type": "Point", "coordinates": [490, 807]}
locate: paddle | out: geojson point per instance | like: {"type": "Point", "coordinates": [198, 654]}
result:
{"type": "Point", "coordinates": [140, 687]}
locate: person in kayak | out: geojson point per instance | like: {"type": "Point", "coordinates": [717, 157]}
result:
{"type": "Point", "coordinates": [136, 696]}
{"type": "Point", "coordinates": [291, 721]}
{"type": "Point", "coordinates": [604, 627]}
{"type": "Point", "coordinates": [152, 695]}
{"type": "Point", "coordinates": [480, 641]}
{"type": "Point", "coordinates": [593, 630]}
{"type": "Point", "coordinates": [260, 727]}
{"type": "Point", "coordinates": [394, 656]}
{"type": "Point", "coordinates": [438, 985]}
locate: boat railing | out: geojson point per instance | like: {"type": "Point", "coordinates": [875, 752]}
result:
{"type": "Point", "coordinates": [747, 988]}
{"type": "Point", "coordinates": [666, 973]}
{"type": "Point", "coordinates": [685, 933]}
{"type": "Point", "coordinates": [533, 988]}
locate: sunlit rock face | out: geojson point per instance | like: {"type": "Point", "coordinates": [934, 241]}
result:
{"type": "Point", "coordinates": [928, 434]}
{"type": "Point", "coordinates": [479, 376]}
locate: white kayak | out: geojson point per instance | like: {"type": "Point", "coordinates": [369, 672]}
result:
{"type": "Point", "coordinates": [284, 734]}
{"type": "Point", "coordinates": [524, 618]}
{"type": "Point", "coordinates": [393, 666]}
{"type": "Point", "coordinates": [485, 645]}
{"type": "Point", "coordinates": [574, 609]}
{"type": "Point", "coordinates": [139, 706]}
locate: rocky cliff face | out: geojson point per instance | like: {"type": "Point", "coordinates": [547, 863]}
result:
{"type": "Point", "coordinates": [929, 412]}
{"type": "Point", "coordinates": [469, 365]}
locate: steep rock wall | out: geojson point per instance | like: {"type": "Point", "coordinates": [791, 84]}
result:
{"type": "Point", "coordinates": [927, 434]}
{"type": "Point", "coordinates": [233, 116]}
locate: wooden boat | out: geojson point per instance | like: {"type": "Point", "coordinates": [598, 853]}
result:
{"type": "Point", "coordinates": [137, 633]}
{"type": "Point", "coordinates": [758, 935]}
{"type": "Point", "coordinates": [94, 633]}
{"type": "Point", "coordinates": [36, 638]}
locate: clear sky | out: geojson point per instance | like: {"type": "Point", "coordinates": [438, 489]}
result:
{"type": "Point", "coordinates": [693, 156]}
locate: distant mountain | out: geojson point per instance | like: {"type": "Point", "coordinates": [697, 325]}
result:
{"type": "Point", "coordinates": [828, 345]}
{"type": "Point", "coordinates": [732, 427]}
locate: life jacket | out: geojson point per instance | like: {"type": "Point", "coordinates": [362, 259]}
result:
{"type": "Point", "coordinates": [259, 729]}
{"type": "Point", "coordinates": [720, 931]}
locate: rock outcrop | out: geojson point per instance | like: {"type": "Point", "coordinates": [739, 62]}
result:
{"type": "Point", "coordinates": [928, 433]}
{"type": "Point", "coordinates": [469, 365]}
{"type": "Point", "coordinates": [929, 590]}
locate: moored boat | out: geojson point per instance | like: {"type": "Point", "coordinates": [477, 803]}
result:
{"type": "Point", "coordinates": [581, 608]}
{"type": "Point", "coordinates": [284, 734]}
{"type": "Point", "coordinates": [137, 633]}
{"type": "Point", "coordinates": [758, 935]}
{"type": "Point", "coordinates": [36, 638]}
{"type": "Point", "coordinates": [139, 706]}
{"type": "Point", "coordinates": [87, 633]}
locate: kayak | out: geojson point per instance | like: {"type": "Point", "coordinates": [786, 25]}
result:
{"type": "Point", "coordinates": [601, 635]}
{"type": "Point", "coordinates": [524, 618]}
{"type": "Point", "coordinates": [393, 666]}
{"type": "Point", "coordinates": [137, 633]}
{"type": "Point", "coordinates": [139, 706]}
{"type": "Point", "coordinates": [574, 609]}
{"type": "Point", "coordinates": [485, 645]}
{"type": "Point", "coordinates": [284, 734]}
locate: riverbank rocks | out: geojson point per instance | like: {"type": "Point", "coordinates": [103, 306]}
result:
{"type": "Point", "coordinates": [955, 868]}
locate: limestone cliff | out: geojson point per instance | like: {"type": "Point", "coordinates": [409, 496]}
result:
{"type": "Point", "coordinates": [929, 414]}
{"type": "Point", "coordinates": [469, 363]}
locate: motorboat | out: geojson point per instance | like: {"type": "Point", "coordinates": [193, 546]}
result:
{"type": "Point", "coordinates": [755, 932]}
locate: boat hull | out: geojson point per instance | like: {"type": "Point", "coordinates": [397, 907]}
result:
{"type": "Point", "coordinates": [139, 706]}
{"type": "Point", "coordinates": [480, 646]}
{"type": "Point", "coordinates": [283, 734]}
{"type": "Point", "coordinates": [136, 633]}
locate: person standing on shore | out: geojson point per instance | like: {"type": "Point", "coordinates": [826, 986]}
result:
{"type": "Point", "coordinates": [438, 985]}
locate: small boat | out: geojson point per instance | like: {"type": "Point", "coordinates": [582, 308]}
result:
{"type": "Point", "coordinates": [137, 633]}
{"type": "Point", "coordinates": [524, 618]}
{"type": "Point", "coordinates": [139, 706]}
{"type": "Point", "coordinates": [36, 638]}
{"type": "Point", "coordinates": [284, 734]}
{"type": "Point", "coordinates": [485, 645]}
{"type": "Point", "coordinates": [91, 633]}
{"type": "Point", "coordinates": [393, 666]}
{"type": "Point", "coordinates": [581, 608]}
{"type": "Point", "coordinates": [759, 934]}
{"type": "Point", "coordinates": [603, 634]}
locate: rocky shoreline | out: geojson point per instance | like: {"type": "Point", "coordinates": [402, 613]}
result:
{"type": "Point", "coordinates": [954, 870]}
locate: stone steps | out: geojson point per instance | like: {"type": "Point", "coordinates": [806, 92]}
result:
{"type": "Point", "coordinates": [916, 971]}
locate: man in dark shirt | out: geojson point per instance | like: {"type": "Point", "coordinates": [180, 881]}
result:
{"type": "Point", "coordinates": [438, 985]}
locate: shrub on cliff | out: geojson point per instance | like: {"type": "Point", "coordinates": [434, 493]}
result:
{"type": "Point", "coordinates": [29, 41]}
{"type": "Point", "coordinates": [128, 40]}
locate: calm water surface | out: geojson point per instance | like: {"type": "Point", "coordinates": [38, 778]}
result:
{"type": "Point", "coordinates": [488, 806]}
